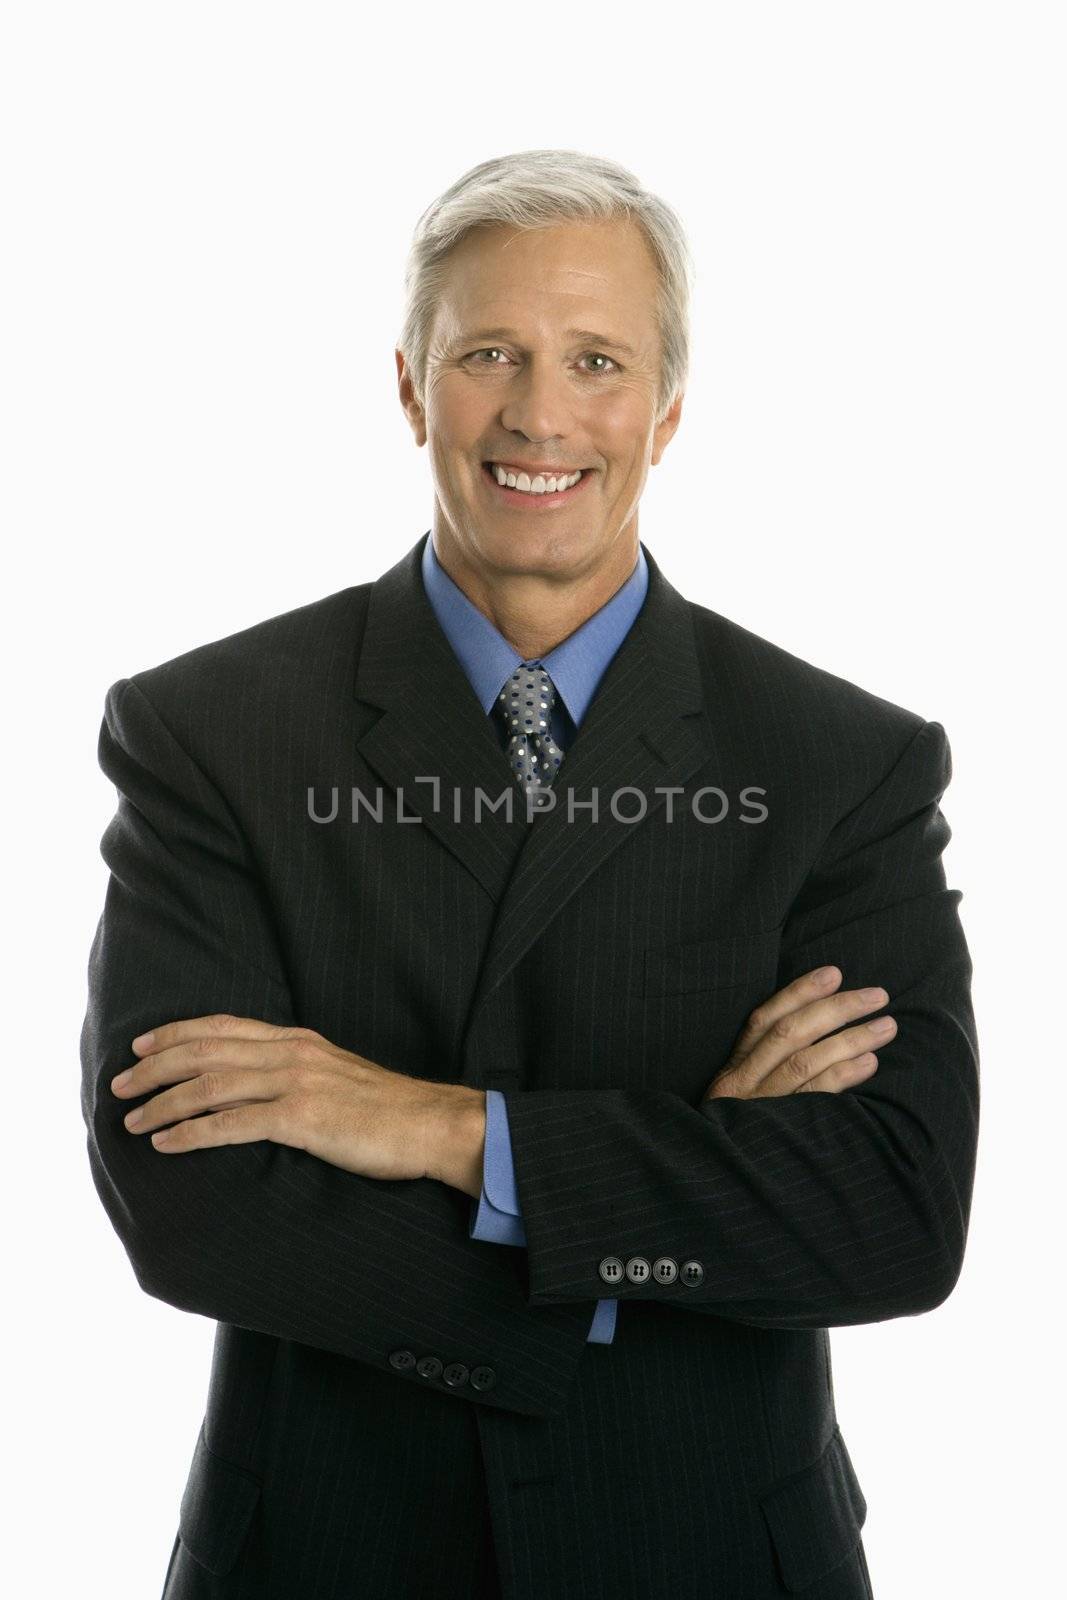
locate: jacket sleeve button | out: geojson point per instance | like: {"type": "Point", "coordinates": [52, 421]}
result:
{"type": "Point", "coordinates": [611, 1269]}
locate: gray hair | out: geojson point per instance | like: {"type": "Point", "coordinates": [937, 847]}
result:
{"type": "Point", "coordinates": [535, 189]}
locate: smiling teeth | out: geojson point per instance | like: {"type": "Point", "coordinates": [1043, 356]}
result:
{"type": "Point", "coordinates": [540, 485]}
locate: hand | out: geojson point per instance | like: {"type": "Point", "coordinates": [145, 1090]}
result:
{"type": "Point", "coordinates": [776, 1052]}
{"type": "Point", "coordinates": [291, 1086]}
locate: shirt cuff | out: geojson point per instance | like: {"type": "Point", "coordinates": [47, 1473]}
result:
{"type": "Point", "coordinates": [603, 1326]}
{"type": "Point", "coordinates": [498, 1217]}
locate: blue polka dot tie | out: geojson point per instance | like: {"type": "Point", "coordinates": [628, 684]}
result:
{"type": "Point", "coordinates": [524, 705]}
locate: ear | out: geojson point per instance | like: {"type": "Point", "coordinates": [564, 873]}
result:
{"type": "Point", "coordinates": [664, 431]}
{"type": "Point", "coordinates": [412, 409]}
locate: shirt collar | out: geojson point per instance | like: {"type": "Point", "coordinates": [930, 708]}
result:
{"type": "Point", "coordinates": [576, 665]}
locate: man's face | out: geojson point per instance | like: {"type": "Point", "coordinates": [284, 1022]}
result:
{"type": "Point", "coordinates": [541, 395]}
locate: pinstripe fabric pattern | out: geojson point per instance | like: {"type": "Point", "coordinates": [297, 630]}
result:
{"type": "Point", "coordinates": [499, 1219]}
{"type": "Point", "coordinates": [699, 1454]}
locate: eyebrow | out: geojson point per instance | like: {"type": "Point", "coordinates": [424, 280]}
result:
{"type": "Point", "coordinates": [571, 333]}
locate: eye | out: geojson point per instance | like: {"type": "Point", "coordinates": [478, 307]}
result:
{"type": "Point", "coordinates": [600, 356]}
{"type": "Point", "coordinates": [492, 350]}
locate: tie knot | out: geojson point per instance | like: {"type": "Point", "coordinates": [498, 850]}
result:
{"type": "Point", "coordinates": [526, 700]}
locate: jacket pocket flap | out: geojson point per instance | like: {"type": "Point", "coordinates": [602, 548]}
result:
{"type": "Point", "coordinates": [750, 958]}
{"type": "Point", "coordinates": [216, 1508]}
{"type": "Point", "coordinates": [815, 1516]}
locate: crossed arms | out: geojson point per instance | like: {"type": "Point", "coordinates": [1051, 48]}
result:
{"type": "Point", "coordinates": [809, 1209]}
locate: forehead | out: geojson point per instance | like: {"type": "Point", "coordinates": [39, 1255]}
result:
{"type": "Point", "coordinates": [576, 271]}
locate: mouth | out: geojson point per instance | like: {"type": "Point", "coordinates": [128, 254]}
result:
{"type": "Point", "coordinates": [517, 499]}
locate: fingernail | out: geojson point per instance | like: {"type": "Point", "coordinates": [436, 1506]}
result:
{"type": "Point", "coordinates": [143, 1041]}
{"type": "Point", "coordinates": [873, 995]}
{"type": "Point", "coordinates": [826, 975]}
{"type": "Point", "coordinates": [123, 1079]}
{"type": "Point", "coordinates": [882, 1025]}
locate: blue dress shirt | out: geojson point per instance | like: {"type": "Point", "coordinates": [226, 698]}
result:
{"type": "Point", "coordinates": [576, 667]}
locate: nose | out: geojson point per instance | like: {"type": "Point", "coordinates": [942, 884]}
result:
{"type": "Point", "coordinates": [538, 404]}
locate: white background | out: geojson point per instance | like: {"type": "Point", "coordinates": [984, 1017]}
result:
{"type": "Point", "coordinates": [206, 210]}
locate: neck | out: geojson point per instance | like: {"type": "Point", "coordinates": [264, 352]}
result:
{"type": "Point", "coordinates": [535, 611]}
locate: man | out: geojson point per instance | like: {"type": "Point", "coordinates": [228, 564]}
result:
{"type": "Point", "coordinates": [511, 936]}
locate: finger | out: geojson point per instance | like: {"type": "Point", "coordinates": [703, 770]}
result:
{"type": "Point", "coordinates": [209, 1091]}
{"type": "Point", "coordinates": [205, 1052]}
{"type": "Point", "coordinates": [797, 1029]}
{"type": "Point", "coordinates": [808, 1061]}
{"type": "Point", "coordinates": [232, 1125]}
{"type": "Point", "coordinates": [842, 1075]}
{"type": "Point", "coordinates": [216, 1023]}
{"type": "Point", "coordinates": [813, 985]}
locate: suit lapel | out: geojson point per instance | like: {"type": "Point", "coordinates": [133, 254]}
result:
{"type": "Point", "coordinates": [407, 665]}
{"type": "Point", "coordinates": [642, 731]}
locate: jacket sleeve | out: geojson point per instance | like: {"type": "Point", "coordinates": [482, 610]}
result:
{"type": "Point", "coordinates": [500, 1219]}
{"type": "Point", "coordinates": [804, 1210]}
{"type": "Point", "coordinates": [262, 1235]}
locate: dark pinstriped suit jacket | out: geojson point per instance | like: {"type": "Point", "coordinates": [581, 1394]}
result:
{"type": "Point", "coordinates": [375, 1368]}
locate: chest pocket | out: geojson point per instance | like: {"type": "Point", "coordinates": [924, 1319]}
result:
{"type": "Point", "coordinates": [741, 960]}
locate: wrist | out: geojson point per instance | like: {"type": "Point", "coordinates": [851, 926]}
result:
{"type": "Point", "coordinates": [462, 1144]}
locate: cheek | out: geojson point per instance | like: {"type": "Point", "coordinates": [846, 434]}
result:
{"type": "Point", "coordinates": [622, 428]}
{"type": "Point", "coordinates": [456, 416]}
